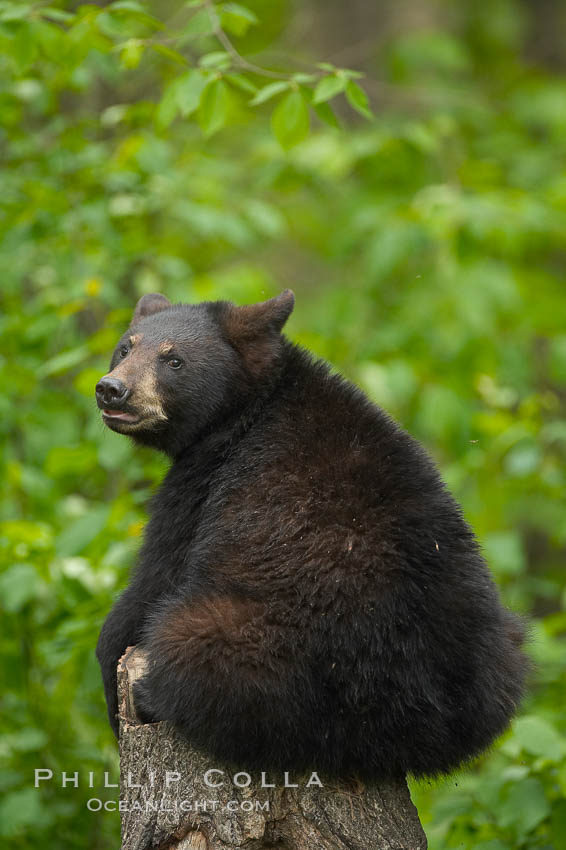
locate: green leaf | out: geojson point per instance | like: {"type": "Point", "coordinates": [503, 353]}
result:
{"type": "Point", "coordinates": [214, 107]}
{"type": "Point", "coordinates": [538, 737]}
{"type": "Point", "coordinates": [236, 19]}
{"type": "Point", "coordinates": [199, 24]}
{"type": "Point", "coordinates": [350, 74]}
{"type": "Point", "coordinates": [63, 362]}
{"type": "Point", "coordinates": [15, 12]}
{"type": "Point", "coordinates": [55, 14]}
{"type": "Point", "coordinates": [325, 112]}
{"type": "Point", "coordinates": [269, 91]}
{"type": "Point", "coordinates": [70, 460]}
{"type": "Point", "coordinates": [190, 87]}
{"type": "Point", "coordinates": [169, 53]}
{"type": "Point", "coordinates": [217, 59]}
{"type": "Point", "coordinates": [131, 52]}
{"type": "Point", "coordinates": [138, 12]}
{"type": "Point", "coordinates": [82, 531]}
{"type": "Point", "coordinates": [34, 534]}
{"type": "Point", "coordinates": [18, 585]}
{"type": "Point", "coordinates": [182, 96]}
{"type": "Point", "coordinates": [24, 47]}
{"type": "Point", "coordinates": [167, 107]}
{"type": "Point", "coordinates": [26, 740]}
{"type": "Point", "coordinates": [242, 82]}
{"type": "Point", "coordinates": [127, 6]}
{"type": "Point", "coordinates": [22, 811]}
{"type": "Point", "coordinates": [301, 77]}
{"type": "Point", "coordinates": [358, 99]}
{"type": "Point", "coordinates": [267, 218]}
{"type": "Point", "coordinates": [290, 120]}
{"type": "Point", "coordinates": [505, 552]}
{"type": "Point", "coordinates": [524, 807]}
{"type": "Point", "coordinates": [328, 87]}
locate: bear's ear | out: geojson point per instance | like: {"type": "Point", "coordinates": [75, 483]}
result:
{"type": "Point", "coordinates": [149, 304]}
{"type": "Point", "coordinates": [254, 329]}
{"type": "Point", "coordinates": [255, 320]}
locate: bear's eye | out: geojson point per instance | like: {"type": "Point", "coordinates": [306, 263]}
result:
{"type": "Point", "coordinates": [174, 362]}
{"type": "Point", "coordinates": [124, 350]}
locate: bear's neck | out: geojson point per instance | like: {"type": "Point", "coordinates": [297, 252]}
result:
{"type": "Point", "coordinates": [219, 439]}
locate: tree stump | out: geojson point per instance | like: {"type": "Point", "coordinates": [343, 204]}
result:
{"type": "Point", "coordinates": [166, 803]}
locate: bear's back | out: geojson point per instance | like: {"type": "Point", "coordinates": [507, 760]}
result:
{"type": "Point", "coordinates": [324, 485]}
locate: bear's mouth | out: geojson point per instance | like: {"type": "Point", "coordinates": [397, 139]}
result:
{"type": "Point", "coordinates": [115, 417]}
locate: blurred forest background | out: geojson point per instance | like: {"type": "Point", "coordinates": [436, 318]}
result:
{"type": "Point", "coordinates": [419, 213]}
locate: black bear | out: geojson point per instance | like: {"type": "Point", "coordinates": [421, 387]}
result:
{"type": "Point", "coordinates": [308, 592]}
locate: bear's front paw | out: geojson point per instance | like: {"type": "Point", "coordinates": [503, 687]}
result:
{"type": "Point", "coordinates": [142, 703]}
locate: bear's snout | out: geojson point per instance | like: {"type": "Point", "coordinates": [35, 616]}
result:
{"type": "Point", "coordinates": [111, 392]}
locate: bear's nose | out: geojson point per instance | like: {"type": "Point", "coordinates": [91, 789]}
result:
{"type": "Point", "coordinates": [111, 392]}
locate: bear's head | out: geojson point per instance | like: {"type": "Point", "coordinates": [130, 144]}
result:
{"type": "Point", "coordinates": [180, 368]}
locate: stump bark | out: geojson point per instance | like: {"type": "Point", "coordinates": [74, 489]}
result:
{"type": "Point", "coordinates": [166, 803]}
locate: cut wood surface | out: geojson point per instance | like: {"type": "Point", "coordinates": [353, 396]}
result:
{"type": "Point", "coordinates": [166, 803]}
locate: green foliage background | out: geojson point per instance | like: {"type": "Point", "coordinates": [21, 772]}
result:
{"type": "Point", "coordinates": [426, 244]}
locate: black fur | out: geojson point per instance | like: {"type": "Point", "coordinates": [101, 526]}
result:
{"type": "Point", "coordinates": [308, 591]}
